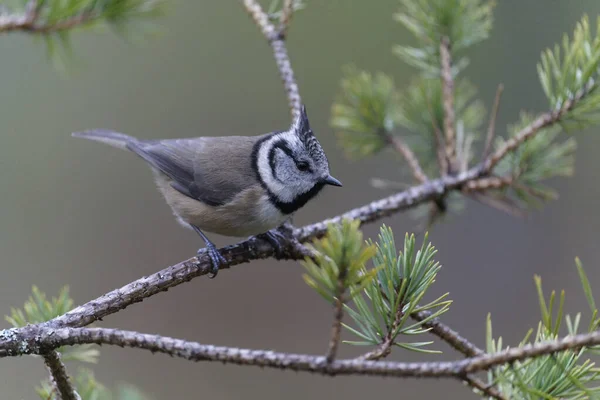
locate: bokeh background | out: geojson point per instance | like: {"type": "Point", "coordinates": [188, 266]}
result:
{"type": "Point", "coordinates": [78, 213]}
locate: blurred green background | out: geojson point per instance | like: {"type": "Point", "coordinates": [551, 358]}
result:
{"type": "Point", "coordinates": [78, 213]}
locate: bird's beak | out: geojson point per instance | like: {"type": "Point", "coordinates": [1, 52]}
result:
{"type": "Point", "coordinates": [330, 180]}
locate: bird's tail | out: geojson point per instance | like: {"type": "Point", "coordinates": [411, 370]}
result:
{"type": "Point", "coordinates": [112, 138]}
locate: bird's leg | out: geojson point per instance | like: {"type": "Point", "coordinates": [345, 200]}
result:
{"type": "Point", "coordinates": [215, 256]}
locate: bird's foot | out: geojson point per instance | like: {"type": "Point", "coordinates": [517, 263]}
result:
{"type": "Point", "coordinates": [215, 257]}
{"type": "Point", "coordinates": [279, 238]}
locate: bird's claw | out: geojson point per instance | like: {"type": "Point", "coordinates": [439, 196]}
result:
{"type": "Point", "coordinates": [278, 239]}
{"type": "Point", "coordinates": [215, 258]}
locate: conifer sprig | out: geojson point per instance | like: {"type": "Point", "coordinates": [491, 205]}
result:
{"type": "Point", "coordinates": [568, 375]}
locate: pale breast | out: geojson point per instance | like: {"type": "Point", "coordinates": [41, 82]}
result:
{"type": "Point", "coordinates": [248, 213]}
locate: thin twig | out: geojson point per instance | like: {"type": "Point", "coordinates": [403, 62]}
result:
{"type": "Point", "coordinates": [448, 335]}
{"type": "Point", "coordinates": [28, 21]}
{"type": "Point", "coordinates": [404, 150]}
{"type": "Point", "coordinates": [487, 183]}
{"type": "Point", "coordinates": [534, 192]}
{"type": "Point", "coordinates": [279, 51]}
{"type": "Point", "coordinates": [479, 190]}
{"type": "Point", "coordinates": [481, 387]}
{"type": "Point", "coordinates": [412, 161]}
{"type": "Point", "coordinates": [286, 15]}
{"type": "Point", "coordinates": [32, 10]}
{"type": "Point", "coordinates": [59, 376]}
{"type": "Point", "coordinates": [37, 340]}
{"type": "Point", "coordinates": [385, 348]}
{"type": "Point", "coordinates": [500, 202]}
{"type": "Point", "coordinates": [492, 124]}
{"type": "Point", "coordinates": [439, 143]}
{"type": "Point", "coordinates": [448, 93]}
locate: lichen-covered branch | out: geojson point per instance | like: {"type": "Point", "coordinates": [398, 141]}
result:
{"type": "Point", "coordinates": [59, 376]}
{"type": "Point", "coordinates": [39, 339]}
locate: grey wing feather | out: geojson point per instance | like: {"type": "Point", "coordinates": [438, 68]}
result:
{"type": "Point", "coordinates": [210, 169]}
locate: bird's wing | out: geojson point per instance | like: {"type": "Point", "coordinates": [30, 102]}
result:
{"type": "Point", "coordinates": [209, 169]}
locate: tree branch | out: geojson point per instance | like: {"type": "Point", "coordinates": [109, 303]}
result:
{"type": "Point", "coordinates": [539, 123]}
{"type": "Point", "coordinates": [386, 206]}
{"type": "Point", "coordinates": [36, 339]}
{"type": "Point", "coordinates": [277, 41]}
{"type": "Point", "coordinates": [462, 345]}
{"type": "Point", "coordinates": [445, 333]}
{"type": "Point", "coordinates": [59, 376]}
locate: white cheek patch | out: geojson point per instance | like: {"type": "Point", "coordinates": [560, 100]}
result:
{"type": "Point", "coordinates": [279, 189]}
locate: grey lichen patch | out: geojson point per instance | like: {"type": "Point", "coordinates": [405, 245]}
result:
{"type": "Point", "coordinates": [24, 348]}
{"type": "Point", "coordinates": [21, 341]}
{"type": "Point", "coordinates": [9, 335]}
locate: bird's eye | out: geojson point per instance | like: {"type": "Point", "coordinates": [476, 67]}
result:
{"type": "Point", "coordinates": [302, 165]}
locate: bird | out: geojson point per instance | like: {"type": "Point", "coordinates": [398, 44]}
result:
{"type": "Point", "coordinates": [233, 185]}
